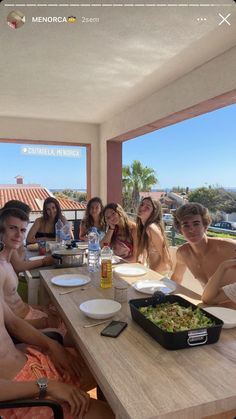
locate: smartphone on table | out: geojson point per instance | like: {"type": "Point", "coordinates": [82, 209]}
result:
{"type": "Point", "coordinates": [114, 328]}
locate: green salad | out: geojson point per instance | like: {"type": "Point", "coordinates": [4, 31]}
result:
{"type": "Point", "coordinates": [176, 318]}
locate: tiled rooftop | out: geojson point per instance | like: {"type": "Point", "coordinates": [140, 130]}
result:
{"type": "Point", "coordinates": [34, 195]}
{"type": "Point", "coordinates": [154, 195]}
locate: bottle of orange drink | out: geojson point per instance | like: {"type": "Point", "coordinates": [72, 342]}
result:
{"type": "Point", "coordinates": [106, 267]}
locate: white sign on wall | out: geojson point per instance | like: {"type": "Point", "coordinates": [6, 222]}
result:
{"type": "Point", "coordinates": [50, 152]}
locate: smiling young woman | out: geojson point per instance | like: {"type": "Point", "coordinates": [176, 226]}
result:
{"type": "Point", "coordinates": [44, 227]}
{"type": "Point", "coordinates": [93, 218]}
{"type": "Point", "coordinates": [121, 232]}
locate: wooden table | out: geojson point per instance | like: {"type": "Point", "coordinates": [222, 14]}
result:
{"type": "Point", "coordinates": [140, 379]}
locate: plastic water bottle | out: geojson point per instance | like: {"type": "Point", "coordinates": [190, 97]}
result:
{"type": "Point", "coordinates": [58, 229]}
{"type": "Point", "coordinates": [106, 267]}
{"type": "Point", "coordinates": [93, 250]}
{"type": "Point", "coordinates": [66, 237]}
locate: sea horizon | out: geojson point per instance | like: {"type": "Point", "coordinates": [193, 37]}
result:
{"type": "Point", "coordinates": [228, 188]}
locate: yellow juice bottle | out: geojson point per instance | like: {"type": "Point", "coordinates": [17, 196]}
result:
{"type": "Point", "coordinates": [106, 267]}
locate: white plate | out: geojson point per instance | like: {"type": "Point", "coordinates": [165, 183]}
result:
{"type": "Point", "coordinates": [70, 280]}
{"type": "Point", "coordinates": [129, 270]}
{"type": "Point", "coordinates": [100, 308]}
{"type": "Point", "coordinates": [36, 257]}
{"type": "Point", "coordinates": [227, 315]}
{"type": "Point", "coordinates": [148, 286]}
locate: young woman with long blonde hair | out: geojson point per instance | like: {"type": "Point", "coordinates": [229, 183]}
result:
{"type": "Point", "coordinates": [152, 247]}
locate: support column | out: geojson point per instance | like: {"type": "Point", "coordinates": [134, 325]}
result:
{"type": "Point", "coordinates": [88, 170]}
{"type": "Point", "coordinates": [114, 171]}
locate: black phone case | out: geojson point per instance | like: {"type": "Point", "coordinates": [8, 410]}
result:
{"type": "Point", "coordinates": [107, 331]}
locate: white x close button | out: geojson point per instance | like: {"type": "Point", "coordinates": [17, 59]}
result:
{"type": "Point", "coordinates": [224, 19]}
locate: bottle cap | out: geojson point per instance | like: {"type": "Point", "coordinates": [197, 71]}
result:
{"type": "Point", "coordinates": [105, 244]}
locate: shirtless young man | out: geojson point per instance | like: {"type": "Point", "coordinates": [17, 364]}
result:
{"type": "Point", "coordinates": [203, 256]}
{"type": "Point", "coordinates": [19, 373]}
{"type": "Point", "coordinates": [18, 256]}
{"type": "Point", "coordinates": [13, 224]}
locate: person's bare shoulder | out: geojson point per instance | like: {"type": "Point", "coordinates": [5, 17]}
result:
{"type": "Point", "coordinates": [153, 228]}
{"type": "Point", "coordinates": [133, 226]}
{"type": "Point", "coordinates": [183, 252]}
{"type": "Point", "coordinates": [38, 221]}
{"type": "Point", "coordinates": [222, 244]}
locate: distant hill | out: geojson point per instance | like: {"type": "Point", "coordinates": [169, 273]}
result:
{"type": "Point", "coordinates": [230, 189]}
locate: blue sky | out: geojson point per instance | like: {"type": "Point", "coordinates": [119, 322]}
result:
{"type": "Point", "coordinates": [197, 152]}
{"type": "Point", "coordinates": [51, 172]}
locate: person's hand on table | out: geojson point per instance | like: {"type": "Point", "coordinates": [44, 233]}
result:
{"type": "Point", "coordinates": [76, 398]}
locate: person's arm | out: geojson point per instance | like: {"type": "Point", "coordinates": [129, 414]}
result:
{"type": "Point", "coordinates": [108, 236]}
{"type": "Point", "coordinates": [77, 399]}
{"type": "Point", "coordinates": [32, 232]}
{"type": "Point", "coordinates": [83, 233]}
{"type": "Point", "coordinates": [10, 390]}
{"type": "Point", "coordinates": [213, 292]}
{"type": "Point", "coordinates": [156, 238]}
{"type": "Point", "coordinates": [154, 233]}
{"type": "Point", "coordinates": [71, 232]}
{"type": "Point", "coordinates": [180, 268]}
{"type": "Point", "coordinates": [41, 323]}
{"type": "Point", "coordinates": [20, 265]}
{"type": "Point", "coordinates": [26, 333]}
{"type": "Point", "coordinates": [133, 258]}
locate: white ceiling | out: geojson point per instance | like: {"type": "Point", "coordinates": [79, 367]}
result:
{"type": "Point", "coordinates": [89, 72]}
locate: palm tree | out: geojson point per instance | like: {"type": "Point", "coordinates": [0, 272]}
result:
{"type": "Point", "coordinates": [136, 178]}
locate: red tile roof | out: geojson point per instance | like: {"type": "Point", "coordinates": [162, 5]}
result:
{"type": "Point", "coordinates": [154, 195]}
{"type": "Point", "coordinates": [32, 195]}
{"type": "Point", "coordinates": [68, 204]}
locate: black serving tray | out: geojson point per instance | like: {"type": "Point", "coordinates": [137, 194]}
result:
{"type": "Point", "coordinates": [175, 340]}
